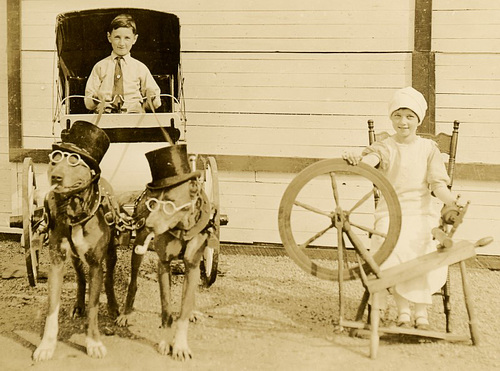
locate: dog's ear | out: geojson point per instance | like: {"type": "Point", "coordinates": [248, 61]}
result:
{"type": "Point", "coordinates": [194, 188]}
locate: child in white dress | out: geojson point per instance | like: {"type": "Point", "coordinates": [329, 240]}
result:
{"type": "Point", "coordinates": [415, 168]}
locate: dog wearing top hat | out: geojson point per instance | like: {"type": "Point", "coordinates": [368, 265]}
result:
{"type": "Point", "coordinates": [79, 224]}
{"type": "Point", "coordinates": [178, 216]}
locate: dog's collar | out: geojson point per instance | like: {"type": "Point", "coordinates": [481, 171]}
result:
{"type": "Point", "coordinates": [92, 205]}
{"type": "Point", "coordinates": [186, 233]}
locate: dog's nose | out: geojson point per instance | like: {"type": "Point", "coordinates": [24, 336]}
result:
{"type": "Point", "coordinates": [55, 179]}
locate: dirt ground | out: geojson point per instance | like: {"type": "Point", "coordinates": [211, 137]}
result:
{"type": "Point", "coordinates": [262, 313]}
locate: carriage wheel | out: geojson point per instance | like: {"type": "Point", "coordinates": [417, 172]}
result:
{"type": "Point", "coordinates": [31, 247]}
{"type": "Point", "coordinates": [331, 203]}
{"type": "Point", "coordinates": [210, 260]}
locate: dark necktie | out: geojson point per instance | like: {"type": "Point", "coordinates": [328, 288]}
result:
{"type": "Point", "coordinates": [118, 85]}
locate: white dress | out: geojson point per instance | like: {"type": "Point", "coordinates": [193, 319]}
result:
{"type": "Point", "coordinates": [414, 170]}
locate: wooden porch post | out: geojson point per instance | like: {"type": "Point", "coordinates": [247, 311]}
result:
{"type": "Point", "coordinates": [424, 63]}
{"type": "Point", "coordinates": [14, 74]}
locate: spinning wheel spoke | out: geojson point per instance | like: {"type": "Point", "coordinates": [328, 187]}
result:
{"type": "Point", "coordinates": [334, 188]}
{"type": "Point", "coordinates": [313, 209]}
{"type": "Point", "coordinates": [315, 237]}
{"type": "Point", "coordinates": [369, 230]}
{"type": "Point", "coordinates": [361, 201]}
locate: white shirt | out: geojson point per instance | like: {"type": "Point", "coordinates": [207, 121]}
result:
{"type": "Point", "coordinates": [137, 79]}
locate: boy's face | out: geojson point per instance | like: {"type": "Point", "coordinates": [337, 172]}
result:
{"type": "Point", "coordinates": [405, 122]}
{"type": "Point", "coordinates": [122, 40]}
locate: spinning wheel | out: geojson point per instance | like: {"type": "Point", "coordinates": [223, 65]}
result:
{"type": "Point", "coordinates": [346, 192]}
{"type": "Point", "coordinates": [30, 239]}
{"type": "Point", "coordinates": [210, 260]}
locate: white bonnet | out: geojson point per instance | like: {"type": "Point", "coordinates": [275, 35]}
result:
{"type": "Point", "coordinates": [409, 98]}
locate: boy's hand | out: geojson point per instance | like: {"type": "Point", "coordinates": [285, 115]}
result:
{"type": "Point", "coordinates": [100, 101]}
{"type": "Point", "coordinates": [150, 94]}
{"type": "Point", "coordinates": [351, 158]}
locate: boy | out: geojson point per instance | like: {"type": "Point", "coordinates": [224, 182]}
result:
{"type": "Point", "coordinates": [119, 80]}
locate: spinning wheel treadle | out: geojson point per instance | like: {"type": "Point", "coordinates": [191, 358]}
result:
{"type": "Point", "coordinates": [348, 195]}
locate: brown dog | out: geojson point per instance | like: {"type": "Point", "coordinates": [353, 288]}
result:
{"type": "Point", "coordinates": [79, 224]}
{"type": "Point", "coordinates": [178, 214]}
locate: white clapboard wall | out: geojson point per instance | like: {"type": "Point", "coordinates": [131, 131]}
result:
{"type": "Point", "coordinates": [283, 78]}
{"type": "Point", "coordinates": [467, 45]}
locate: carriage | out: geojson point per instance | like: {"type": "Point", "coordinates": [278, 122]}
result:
{"type": "Point", "coordinates": [81, 42]}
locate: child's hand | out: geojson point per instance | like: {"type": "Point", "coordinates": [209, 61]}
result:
{"type": "Point", "coordinates": [351, 158]}
{"type": "Point", "coordinates": [150, 94]}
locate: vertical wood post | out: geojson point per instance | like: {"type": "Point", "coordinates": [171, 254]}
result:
{"type": "Point", "coordinates": [424, 63]}
{"type": "Point", "coordinates": [14, 73]}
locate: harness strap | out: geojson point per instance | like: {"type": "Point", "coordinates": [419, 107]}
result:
{"type": "Point", "coordinates": [97, 202]}
{"type": "Point", "coordinates": [201, 224]}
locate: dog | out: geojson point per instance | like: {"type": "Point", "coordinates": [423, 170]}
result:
{"type": "Point", "coordinates": [79, 224]}
{"type": "Point", "coordinates": [177, 213]}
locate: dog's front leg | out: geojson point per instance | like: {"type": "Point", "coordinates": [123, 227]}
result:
{"type": "Point", "coordinates": [192, 257]}
{"type": "Point", "coordinates": [95, 347]}
{"type": "Point", "coordinates": [46, 349]}
{"type": "Point", "coordinates": [81, 283]}
{"type": "Point", "coordinates": [164, 279]}
{"type": "Point", "coordinates": [135, 264]}
{"type": "Point", "coordinates": [109, 283]}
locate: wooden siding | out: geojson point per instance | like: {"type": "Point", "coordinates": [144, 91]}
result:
{"type": "Point", "coordinates": [287, 79]}
{"type": "Point", "coordinates": [467, 45]}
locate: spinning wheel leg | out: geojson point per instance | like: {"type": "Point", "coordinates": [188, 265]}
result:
{"type": "Point", "coordinates": [474, 331]}
{"type": "Point", "coordinates": [374, 322]}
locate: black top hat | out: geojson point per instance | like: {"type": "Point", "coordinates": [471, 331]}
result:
{"type": "Point", "coordinates": [86, 139]}
{"type": "Point", "coordinates": [170, 166]}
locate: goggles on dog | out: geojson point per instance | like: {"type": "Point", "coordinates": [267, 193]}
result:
{"type": "Point", "coordinates": [73, 159]}
{"type": "Point", "coordinates": [153, 204]}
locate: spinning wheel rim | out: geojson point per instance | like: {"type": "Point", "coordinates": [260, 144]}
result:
{"type": "Point", "coordinates": [332, 166]}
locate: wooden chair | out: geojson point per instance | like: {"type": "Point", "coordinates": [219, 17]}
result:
{"type": "Point", "coordinates": [447, 144]}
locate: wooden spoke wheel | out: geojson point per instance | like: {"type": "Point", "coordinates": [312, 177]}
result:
{"type": "Point", "coordinates": [326, 214]}
{"type": "Point", "coordinates": [210, 259]}
{"type": "Point", "coordinates": [30, 239]}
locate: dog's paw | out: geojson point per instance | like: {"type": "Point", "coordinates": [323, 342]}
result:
{"type": "Point", "coordinates": [164, 348]}
{"type": "Point", "coordinates": [95, 349]}
{"type": "Point", "coordinates": [181, 352]}
{"type": "Point", "coordinates": [44, 352]}
{"type": "Point", "coordinates": [113, 311]}
{"type": "Point", "coordinates": [196, 316]}
{"type": "Point", "coordinates": [122, 320]}
{"type": "Point", "coordinates": [78, 311]}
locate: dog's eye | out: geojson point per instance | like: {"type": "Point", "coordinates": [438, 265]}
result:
{"type": "Point", "coordinates": [169, 207]}
{"type": "Point", "coordinates": [152, 204]}
{"type": "Point", "coordinates": [73, 159]}
{"type": "Point", "coordinates": [57, 156]}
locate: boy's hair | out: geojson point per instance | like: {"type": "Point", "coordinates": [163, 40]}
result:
{"type": "Point", "coordinates": [123, 20]}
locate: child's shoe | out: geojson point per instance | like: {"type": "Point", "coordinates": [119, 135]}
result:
{"type": "Point", "coordinates": [422, 323]}
{"type": "Point", "coordinates": [404, 320]}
